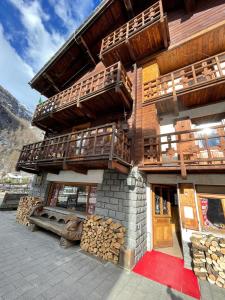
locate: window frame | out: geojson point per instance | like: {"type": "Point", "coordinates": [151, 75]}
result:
{"type": "Point", "coordinates": [211, 196]}
{"type": "Point", "coordinates": [77, 184]}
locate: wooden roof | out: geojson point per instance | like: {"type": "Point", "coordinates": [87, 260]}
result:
{"type": "Point", "coordinates": [81, 51]}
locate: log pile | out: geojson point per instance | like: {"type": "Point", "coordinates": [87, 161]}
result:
{"type": "Point", "coordinates": [103, 238]}
{"type": "Point", "coordinates": [209, 258]}
{"type": "Point", "coordinates": [24, 208]}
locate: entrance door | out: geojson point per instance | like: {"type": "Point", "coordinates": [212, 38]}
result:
{"type": "Point", "coordinates": [163, 197]}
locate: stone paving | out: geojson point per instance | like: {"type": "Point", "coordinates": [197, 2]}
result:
{"type": "Point", "coordinates": [33, 266]}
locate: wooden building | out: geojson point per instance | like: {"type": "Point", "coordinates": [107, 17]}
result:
{"type": "Point", "coordinates": [134, 121]}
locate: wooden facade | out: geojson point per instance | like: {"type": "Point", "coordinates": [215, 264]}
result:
{"type": "Point", "coordinates": [196, 84]}
{"type": "Point", "coordinates": [182, 150]}
{"type": "Point", "coordinates": [141, 36]}
{"type": "Point", "coordinates": [157, 58]}
{"type": "Point", "coordinates": [141, 84]}
{"type": "Point", "coordinates": [98, 147]}
{"type": "Point", "coordinates": [107, 90]}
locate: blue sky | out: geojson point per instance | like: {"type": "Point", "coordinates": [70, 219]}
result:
{"type": "Point", "coordinates": [31, 31]}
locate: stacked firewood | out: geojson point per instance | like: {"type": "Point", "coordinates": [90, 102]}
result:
{"type": "Point", "coordinates": [103, 238]}
{"type": "Point", "coordinates": [209, 258]}
{"type": "Point", "coordinates": [24, 209]}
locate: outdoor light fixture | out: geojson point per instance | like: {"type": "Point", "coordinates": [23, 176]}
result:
{"type": "Point", "coordinates": [131, 180]}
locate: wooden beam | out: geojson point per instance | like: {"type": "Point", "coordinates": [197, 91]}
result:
{"type": "Point", "coordinates": [87, 111]}
{"type": "Point", "coordinates": [164, 32]}
{"type": "Point", "coordinates": [125, 100]}
{"type": "Point", "coordinates": [189, 5]}
{"type": "Point", "coordinates": [118, 167]}
{"type": "Point", "coordinates": [67, 167]}
{"type": "Point", "coordinates": [81, 40]}
{"type": "Point", "coordinates": [175, 105]}
{"type": "Point", "coordinates": [48, 77]}
{"type": "Point", "coordinates": [129, 8]}
{"type": "Point", "coordinates": [131, 50]}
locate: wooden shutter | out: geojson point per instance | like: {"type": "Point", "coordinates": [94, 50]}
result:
{"type": "Point", "coordinates": [150, 71]}
{"type": "Point", "coordinates": [188, 211]}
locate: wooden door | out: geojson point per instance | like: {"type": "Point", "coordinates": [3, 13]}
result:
{"type": "Point", "coordinates": [161, 213]}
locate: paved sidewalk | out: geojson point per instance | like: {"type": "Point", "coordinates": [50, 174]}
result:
{"type": "Point", "coordinates": [33, 266]}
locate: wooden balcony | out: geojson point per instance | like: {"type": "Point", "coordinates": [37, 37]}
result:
{"type": "Point", "coordinates": [186, 151]}
{"type": "Point", "coordinates": [200, 83]}
{"type": "Point", "coordinates": [107, 91]}
{"type": "Point", "coordinates": [144, 34]}
{"type": "Point", "coordinates": [94, 148]}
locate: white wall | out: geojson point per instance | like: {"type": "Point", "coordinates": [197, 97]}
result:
{"type": "Point", "coordinates": [92, 176]}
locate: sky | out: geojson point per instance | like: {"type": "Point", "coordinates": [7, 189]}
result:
{"type": "Point", "coordinates": [31, 31]}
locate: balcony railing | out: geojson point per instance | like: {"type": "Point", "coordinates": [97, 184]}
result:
{"type": "Point", "coordinates": [201, 73]}
{"type": "Point", "coordinates": [191, 149]}
{"type": "Point", "coordinates": [92, 145]}
{"type": "Point", "coordinates": [147, 17]}
{"type": "Point", "coordinates": [83, 90]}
{"type": "Point", "coordinates": [143, 35]}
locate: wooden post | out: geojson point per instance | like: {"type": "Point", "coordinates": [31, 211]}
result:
{"type": "Point", "coordinates": [218, 65]}
{"type": "Point", "coordinates": [112, 143]}
{"type": "Point", "coordinates": [182, 164]}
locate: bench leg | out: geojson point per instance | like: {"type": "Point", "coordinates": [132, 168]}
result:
{"type": "Point", "coordinates": [65, 243]}
{"type": "Point", "coordinates": [33, 227]}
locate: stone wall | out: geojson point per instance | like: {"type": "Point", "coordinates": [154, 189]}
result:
{"type": "Point", "coordinates": [125, 201]}
{"type": "Point", "coordinates": [187, 254]}
{"type": "Point", "coordinates": [40, 187]}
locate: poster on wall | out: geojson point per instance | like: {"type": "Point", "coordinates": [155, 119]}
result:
{"type": "Point", "coordinates": [213, 212]}
{"type": "Point", "coordinates": [188, 212]}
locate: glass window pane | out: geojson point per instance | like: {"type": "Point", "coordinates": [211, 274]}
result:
{"type": "Point", "coordinates": [76, 198]}
{"type": "Point", "coordinates": [165, 201]}
{"type": "Point", "coordinates": [157, 201]}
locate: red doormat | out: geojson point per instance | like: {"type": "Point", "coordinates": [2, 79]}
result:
{"type": "Point", "coordinates": [168, 270]}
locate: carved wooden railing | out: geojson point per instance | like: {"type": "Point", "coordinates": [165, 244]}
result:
{"type": "Point", "coordinates": [98, 143]}
{"type": "Point", "coordinates": [200, 73]}
{"type": "Point", "coordinates": [144, 19]}
{"type": "Point", "coordinates": [197, 147]}
{"type": "Point", "coordinates": [84, 89]}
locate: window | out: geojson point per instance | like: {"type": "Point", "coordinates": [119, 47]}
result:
{"type": "Point", "coordinates": [212, 211]}
{"type": "Point", "coordinates": [213, 141]}
{"type": "Point", "coordinates": [81, 198]}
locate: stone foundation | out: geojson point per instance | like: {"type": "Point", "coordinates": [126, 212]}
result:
{"type": "Point", "coordinates": [40, 187]}
{"type": "Point", "coordinates": [123, 198]}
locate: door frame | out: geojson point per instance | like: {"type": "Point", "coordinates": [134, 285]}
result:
{"type": "Point", "coordinates": [152, 206]}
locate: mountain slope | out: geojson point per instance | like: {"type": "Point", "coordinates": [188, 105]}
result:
{"type": "Point", "coordinates": [15, 130]}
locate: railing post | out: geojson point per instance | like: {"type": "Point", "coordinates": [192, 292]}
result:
{"type": "Point", "coordinates": [208, 148]}
{"type": "Point", "coordinates": [127, 31]}
{"type": "Point", "coordinates": [218, 66]}
{"type": "Point", "coordinates": [118, 72]}
{"type": "Point", "coordinates": [161, 10]}
{"type": "Point", "coordinates": [194, 74]}
{"type": "Point", "coordinates": [67, 149]}
{"type": "Point", "coordinates": [112, 143]}
{"type": "Point", "coordinates": [182, 164]}
{"type": "Point", "coordinates": [78, 98]}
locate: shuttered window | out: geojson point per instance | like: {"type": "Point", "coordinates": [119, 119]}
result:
{"type": "Point", "coordinates": [188, 210]}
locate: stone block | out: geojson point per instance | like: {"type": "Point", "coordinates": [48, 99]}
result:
{"type": "Point", "coordinates": [112, 214]}
{"type": "Point", "coordinates": [114, 176]}
{"type": "Point", "coordinates": [115, 188]}
{"type": "Point", "coordinates": [120, 216]}
{"type": "Point", "coordinates": [101, 212]}
{"type": "Point", "coordinates": [120, 195]}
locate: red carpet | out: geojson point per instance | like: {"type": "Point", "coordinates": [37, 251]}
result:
{"type": "Point", "coordinates": [168, 270]}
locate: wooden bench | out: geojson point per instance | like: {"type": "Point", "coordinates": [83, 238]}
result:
{"type": "Point", "coordinates": [61, 222]}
